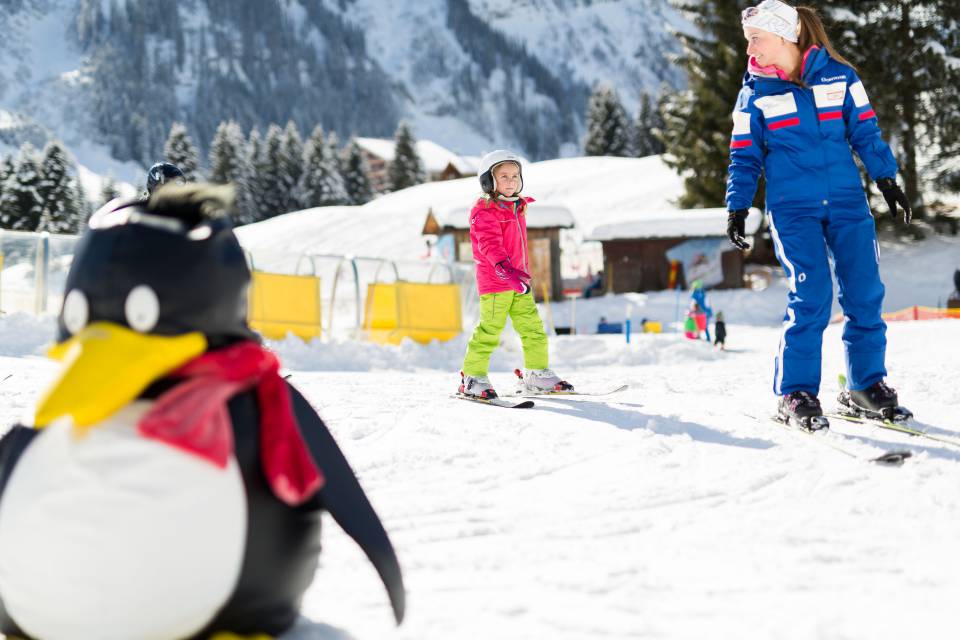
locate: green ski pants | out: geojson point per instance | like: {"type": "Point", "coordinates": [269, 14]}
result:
{"type": "Point", "coordinates": [494, 309]}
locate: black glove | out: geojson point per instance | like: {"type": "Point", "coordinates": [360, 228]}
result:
{"type": "Point", "coordinates": [894, 196]}
{"type": "Point", "coordinates": [736, 228]}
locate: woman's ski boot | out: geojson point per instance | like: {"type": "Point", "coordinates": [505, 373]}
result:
{"type": "Point", "coordinates": [877, 402]}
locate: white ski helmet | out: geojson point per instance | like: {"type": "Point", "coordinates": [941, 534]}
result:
{"type": "Point", "coordinates": [490, 162]}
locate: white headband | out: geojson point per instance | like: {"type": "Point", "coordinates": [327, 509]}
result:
{"type": "Point", "coordinates": [773, 16]}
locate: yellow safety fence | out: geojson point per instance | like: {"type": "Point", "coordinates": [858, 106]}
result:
{"type": "Point", "coordinates": [421, 312]}
{"type": "Point", "coordinates": [282, 304]}
{"type": "Point", "coordinates": [916, 312]}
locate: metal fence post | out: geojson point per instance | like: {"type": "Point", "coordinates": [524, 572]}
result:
{"type": "Point", "coordinates": [356, 291]}
{"type": "Point", "coordinates": [333, 294]}
{"type": "Point", "coordinates": [42, 271]}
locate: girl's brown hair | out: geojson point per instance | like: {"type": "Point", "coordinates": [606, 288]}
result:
{"type": "Point", "coordinates": [812, 32]}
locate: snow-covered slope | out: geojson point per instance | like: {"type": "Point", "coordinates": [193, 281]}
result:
{"type": "Point", "coordinates": [664, 512]}
{"type": "Point", "coordinates": [597, 190]}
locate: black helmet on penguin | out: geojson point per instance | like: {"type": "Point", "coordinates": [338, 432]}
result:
{"type": "Point", "coordinates": [129, 268]}
{"type": "Point", "coordinates": [163, 173]}
{"type": "Point", "coordinates": [489, 162]}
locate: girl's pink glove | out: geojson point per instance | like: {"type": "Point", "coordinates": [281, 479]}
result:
{"type": "Point", "coordinates": [518, 279]}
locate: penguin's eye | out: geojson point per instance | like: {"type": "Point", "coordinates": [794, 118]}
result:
{"type": "Point", "coordinates": [142, 308]}
{"type": "Point", "coordinates": [76, 311]}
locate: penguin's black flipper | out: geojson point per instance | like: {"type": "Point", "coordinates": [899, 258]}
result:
{"type": "Point", "coordinates": [12, 445]}
{"type": "Point", "coordinates": [344, 498]}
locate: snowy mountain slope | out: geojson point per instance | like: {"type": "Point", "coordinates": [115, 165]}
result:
{"type": "Point", "coordinates": [44, 90]}
{"type": "Point", "coordinates": [625, 44]}
{"type": "Point", "coordinates": [115, 75]}
{"type": "Point", "coordinates": [424, 47]}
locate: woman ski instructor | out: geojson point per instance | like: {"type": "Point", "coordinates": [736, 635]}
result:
{"type": "Point", "coordinates": [800, 115]}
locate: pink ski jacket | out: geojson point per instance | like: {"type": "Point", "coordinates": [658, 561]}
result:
{"type": "Point", "coordinates": [498, 230]}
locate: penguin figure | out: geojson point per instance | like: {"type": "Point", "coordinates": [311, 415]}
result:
{"type": "Point", "coordinates": [172, 483]}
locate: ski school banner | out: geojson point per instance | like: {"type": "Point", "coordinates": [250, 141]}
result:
{"type": "Point", "coordinates": [701, 259]}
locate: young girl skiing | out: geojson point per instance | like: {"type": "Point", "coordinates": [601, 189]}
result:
{"type": "Point", "coordinates": [800, 113]}
{"type": "Point", "coordinates": [498, 234]}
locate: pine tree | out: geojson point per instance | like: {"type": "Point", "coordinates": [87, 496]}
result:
{"type": "Point", "coordinates": [646, 127]}
{"type": "Point", "coordinates": [7, 167]}
{"type": "Point", "coordinates": [311, 183]}
{"type": "Point", "coordinates": [21, 206]}
{"type": "Point", "coordinates": [334, 155]}
{"type": "Point", "coordinates": [226, 153]}
{"type": "Point", "coordinates": [291, 168]}
{"type": "Point", "coordinates": [697, 122]}
{"type": "Point", "coordinates": [56, 191]}
{"type": "Point", "coordinates": [322, 183]}
{"type": "Point", "coordinates": [406, 169]}
{"type": "Point", "coordinates": [905, 52]}
{"type": "Point", "coordinates": [229, 164]}
{"type": "Point", "coordinates": [108, 190]}
{"type": "Point", "coordinates": [180, 150]}
{"type": "Point", "coordinates": [251, 204]}
{"type": "Point", "coordinates": [271, 182]}
{"type": "Point", "coordinates": [608, 131]}
{"type": "Point", "coordinates": [81, 206]}
{"type": "Point", "coordinates": [356, 178]}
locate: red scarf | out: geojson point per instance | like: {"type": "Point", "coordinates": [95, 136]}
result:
{"type": "Point", "coordinates": [193, 416]}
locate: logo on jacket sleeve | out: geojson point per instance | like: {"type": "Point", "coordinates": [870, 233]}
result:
{"type": "Point", "coordinates": [741, 130]}
{"type": "Point", "coordinates": [861, 101]}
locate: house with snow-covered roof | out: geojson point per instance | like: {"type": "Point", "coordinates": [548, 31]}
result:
{"type": "Point", "coordinates": [654, 250]}
{"type": "Point", "coordinates": [544, 222]}
{"type": "Point", "coordinates": [439, 163]}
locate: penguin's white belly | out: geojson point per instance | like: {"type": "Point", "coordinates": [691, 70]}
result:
{"type": "Point", "coordinates": [115, 536]}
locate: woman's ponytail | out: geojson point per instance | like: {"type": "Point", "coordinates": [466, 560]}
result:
{"type": "Point", "coordinates": [812, 32]}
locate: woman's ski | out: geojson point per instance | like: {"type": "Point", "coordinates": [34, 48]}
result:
{"type": "Point", "coordinates": [893, 425]}
{"type": "Point", "coordinates": [842, 443]}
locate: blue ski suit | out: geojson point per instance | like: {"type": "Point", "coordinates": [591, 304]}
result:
{"type": "Point", "coordinates": [802, 138]}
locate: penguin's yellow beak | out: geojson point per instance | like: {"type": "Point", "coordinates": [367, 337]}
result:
{"type": "Point", "coordinates": [105, 366]}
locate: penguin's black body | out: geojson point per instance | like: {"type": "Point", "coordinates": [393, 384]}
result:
{"type": "Point", "coordinates": [282, 550]}
{"type": "Point", "coordinates": [276, 559]}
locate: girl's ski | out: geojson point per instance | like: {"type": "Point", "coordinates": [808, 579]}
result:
{"type": "Point", "coordinates": [496, 402]}
{"type": "Point", "coordinates": [527, 394]}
